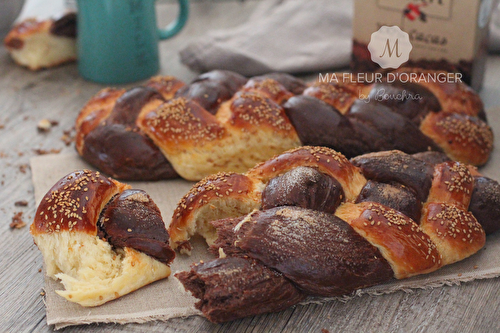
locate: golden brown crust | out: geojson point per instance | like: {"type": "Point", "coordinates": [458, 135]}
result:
{"type": "Point", "coordinates": [252, 111]}
{"type": "Point", "coordinates": [180, 123]}
{"type": "Point", "coordinates": [221, 187]}
{"type": "Point", "coordinates": [340, 96]}
{"type": "Point", "coordinates": [270, 88]}
{"type": "Point", "coordinates": [239, 194]}
{"type": "Point", "coordinates": [323, 159]}
{"type": "Point", "coordinates": [108, 137]}
{"type": "Point", "coordinates": [166, 85]}
{"type": "Point", "coordinates": [246, 129]}
{"type": "Point", "coordinates": [74, 203]}
{"type": "Point", "coordinates": [94, 112]}
{"type": "Point", "coordinates": [454, 96]}
{"type": "Point", "coordinates": [455, 231]}
{"type": "Point", "coordinates": [474, 171]}
{"type": "Point", "coordinates": [15, 38]}
{"type": "Point", "coordinates": [452, 183]}
{"type": "Point", "coordinates": [353, 82]}
{"type": "Point", "coordinates": [99, 107]}
{"type": "Point", "coordinates": [464, 138]}
{"type": "Point", "coordinates": [400, 240]}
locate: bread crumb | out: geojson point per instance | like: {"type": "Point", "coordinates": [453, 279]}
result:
{"type": "Point", "coordinates": [17, 222]}
{"type": "Point", "coordinates": [45, 151]}
{"type": "Point", "coordinates": [459, 274]}
{"type": "Point", "coordinates": [42, 293]}
{"type": "Point", "coordinates": [68, 137]}
{"type": "Point", "coordinates": [23, 168]}
{"type": "Point", "coordinates": [39, 270]}
{"type": "Point", "coordinates": [475, 267]}
{"type": "Point", "coordinates": [44, 125]}
{"type": "Point", "coordinates": [21, 203]}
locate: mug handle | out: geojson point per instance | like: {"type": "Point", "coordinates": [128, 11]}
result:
{"type": "Point", "coordinates": [176, 26]}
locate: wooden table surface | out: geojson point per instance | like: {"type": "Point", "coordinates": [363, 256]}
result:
{"type": "Point", "coordinates": [58, 94]}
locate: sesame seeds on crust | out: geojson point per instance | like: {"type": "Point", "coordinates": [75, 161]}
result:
{"type": "Point", "coordinates": [323, 159]}
{"type": "Point", "coordinates": [219, 186]}
{"type": "Point", "coordinates": [229, 193]}
{"type": "Point", "coordinates": [183, 121]}
{"type": "Point", "coordinates": [301, 156]}
{"type": "Point", "coordinates": [268, 87]}
{"type": "Point", "coordinates": [453, 222]}
{"type": "Point", "coordinates": [460, 178]}
{"type": "Point", "coordinates": [456, 231]}
{"type": "Point", "coordinates": [464, 138]}
{"type": "Point", "coordinates": [74, 203]}
{"type": "Point", "coordinates": [338, 96]}
{"type": "Point", "coordinates": [415, 252]}
{"type": "Point", "coordinates": [166, 85]}
{"type": "Point", "coordinates": [452, 184]}
{"type": "Point", "coordinates": [467, 130]}
{"type": "Point", "coordinates": [210, 184]}
{"type": "Point", "coordinates": [252, 110]}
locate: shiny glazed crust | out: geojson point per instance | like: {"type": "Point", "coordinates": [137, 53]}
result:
{"type": "Point", "coordinates": [451, 114]}
{"type": "Point", "coordinates": [222, 122]}
{"type": "Point", "coordinates": [246, 129]}
{"type": "Point", "coordinates": [365, 241]}
{"type": "Point", "coordinates": [74, 203]}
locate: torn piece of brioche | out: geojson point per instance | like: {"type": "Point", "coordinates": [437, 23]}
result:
{"type": "Point", "coordinates": [42, 44]}
{"type": "Point", "coordinates": [100, 238]}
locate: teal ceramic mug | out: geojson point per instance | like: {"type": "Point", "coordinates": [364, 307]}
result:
{"type": "Point", "coordinates": [118, 39]}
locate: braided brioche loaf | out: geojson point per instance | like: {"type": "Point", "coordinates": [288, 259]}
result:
{"type": "Point", "coordinates": [100, 238]}
{"type": "Point", "coordinates": [311, 222]}
{"type": "Point", "coordinates": [224, 122]}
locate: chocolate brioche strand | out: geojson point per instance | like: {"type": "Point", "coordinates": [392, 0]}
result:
{"type": "Point", "coordinates": [262, 289]}
{"type": "Point", "coordinates": [224, 122]}
{"type": "Point", "coordinates": [330, 225]}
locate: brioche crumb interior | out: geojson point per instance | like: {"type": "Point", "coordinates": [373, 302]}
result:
{"type": "Point", "coordinates": [216, 210]}
{"type": "Point", "coordinates": [44, 49]}
{"type": "Point", "coordinates": [91, 271]}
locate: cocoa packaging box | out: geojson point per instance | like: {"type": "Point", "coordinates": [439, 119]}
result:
{"type": "Point", "coordinates": [449, 35]}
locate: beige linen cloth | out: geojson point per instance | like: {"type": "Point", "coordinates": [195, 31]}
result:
{"type": "Point", "coordinates": [167, 299]}
{"type": "Point", "coordinates": [293, 36]}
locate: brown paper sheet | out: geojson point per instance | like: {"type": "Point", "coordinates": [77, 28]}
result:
{"type": "Point", "coordinates": [167, 299]}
